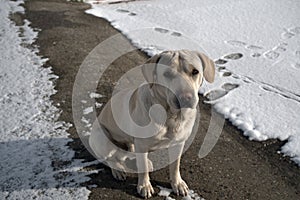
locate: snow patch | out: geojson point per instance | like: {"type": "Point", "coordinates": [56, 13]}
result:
{"type": "Point", "coordinates": [88, 110]}
{"type": "Point", "coordinates": [94, 95]}
{"type": "Point", "coordinates": [165, 192]}
{"type": "Point", "coordinates": [98, 105]}
{"type": "Point", "coordinates": [36, 162]}
{"type": "Point", "coordinates": [258, 62]}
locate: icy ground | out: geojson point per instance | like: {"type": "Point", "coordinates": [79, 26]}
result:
{"type": "Point", "coordinates": [36, 162]}
{"type": "Point", "coordinates": [255, 44]}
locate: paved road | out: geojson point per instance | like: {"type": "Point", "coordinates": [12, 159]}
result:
{"type": "Point", "coordinates": [236, 168]}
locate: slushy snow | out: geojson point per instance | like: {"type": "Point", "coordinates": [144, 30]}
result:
{"type": "Point", "coordinates": [255, 44]}
{"type": "Point", "coordinates": [36, 162]}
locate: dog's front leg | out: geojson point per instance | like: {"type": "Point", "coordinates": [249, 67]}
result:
{"type": "Point", "coordinates": [178, 185]}
{"type": "Point", "coordinates": [144, 187]}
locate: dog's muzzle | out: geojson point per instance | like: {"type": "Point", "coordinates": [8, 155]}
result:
{"type": "Point", "coordinates": [185, 100]}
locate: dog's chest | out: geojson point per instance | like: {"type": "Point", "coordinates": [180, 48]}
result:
{"type": "Point", "coordinates": [176, 130]}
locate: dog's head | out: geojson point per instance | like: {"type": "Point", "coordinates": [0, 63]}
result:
{"type": "Point", "coordinates": [176, 76]}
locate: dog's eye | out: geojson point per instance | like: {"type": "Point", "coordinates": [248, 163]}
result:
{"type": "Point", "coordinates": [195, 72]}
{"type": "Point", "coordinates": [169, 74]}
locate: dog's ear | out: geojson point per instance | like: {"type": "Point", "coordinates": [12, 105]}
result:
{"type": "Point", "coordinates": [208, 67]}
{"type": "Point", "coordinates": [149, 68]}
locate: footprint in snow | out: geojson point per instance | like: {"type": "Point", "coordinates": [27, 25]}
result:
{"type": "Point", "coordinates": [161, 30]}
{"type": "Point", "coordinates": [297, 65]}
{"type": "Point", "coordinates": [220, 62]}
{"type": "Point", "coordinates": [281, 47]}
{"type": "Point", "coordinates": [251, 47]}
{"type": "Point", "coordinates": [223, 71]}
{"type": "Point", "coordinates": [177, 34]}
{"type": "Point", "coordinates": [122, 11]}
{"type": "Point", "coordinates": [287, 35]}
{"type": "Point", "coordinates": [256, 55]}
{"type": "Point", "coordinates": [221, 68]}
{"type": "Point", "coordinates": [238, 43]}
{"type": "Point", "coordinates": [226, 74]}
{"type": "Point", "coordinates": [164, 31]}
{"type": "Point", "coordinates": [274, 53]}
{"type": "Point", "coordinates": [215, 94]}
{"type": "Point", "coordinates": [229, 86]}
{"type": "Point", "coordinates": [232, 56]}
{"type": "Point", "coordinates": [126, 11]}
{"type": "Point", "coordinates": [219, 93]}
{"type": "Point", "coordinates": [271, 54]}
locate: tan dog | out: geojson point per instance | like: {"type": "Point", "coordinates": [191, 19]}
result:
{"type": "Point", "coordinates": [174, 79]}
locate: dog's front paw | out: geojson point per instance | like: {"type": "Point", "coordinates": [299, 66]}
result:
{"type": "Point", "coordinates": [145, 190]}
{"type": "Point", "coordinates": [180, 187]}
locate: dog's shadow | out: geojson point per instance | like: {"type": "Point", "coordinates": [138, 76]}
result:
{"type": "Point", "coordinates": [104, 181]}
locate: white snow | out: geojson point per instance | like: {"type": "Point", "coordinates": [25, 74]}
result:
{"type": "Point", "coordinates": [165, 192]}
{"type": "Point", "coordinates": [88, 110]}
{"type": "Point", "coordinates": [94, 95]}
{"type": "Point", "coordinates": [98, 105]}
{"type": "Point", "coordinates": [36, 162]}
{"type": "Point", "coordinates": [258, 92]}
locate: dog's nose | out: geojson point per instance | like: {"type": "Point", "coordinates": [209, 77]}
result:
{"type": "Point", "coordinates": [186, 99]}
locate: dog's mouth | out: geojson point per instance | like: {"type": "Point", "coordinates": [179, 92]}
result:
{"type": "Point", "coordinates": [177, 104]}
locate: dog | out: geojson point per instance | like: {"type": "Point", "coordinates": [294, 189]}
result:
{"type": "Point", "coordinates": [173, 79]}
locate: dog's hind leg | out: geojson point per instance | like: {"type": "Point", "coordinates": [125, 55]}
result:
{"type": "Point", "coordinates": [118, 174]}
{"type": "Point", "coordinates": [108, 152]}
{"type": "Point", "coordinates": [123, 161]}
{"type": "Point", "coordinates": [117, 168]}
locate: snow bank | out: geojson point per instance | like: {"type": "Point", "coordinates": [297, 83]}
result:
{"type": "Point", "coordinates": [36, 162]}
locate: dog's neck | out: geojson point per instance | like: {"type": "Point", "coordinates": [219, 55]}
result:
{"type": "Point", "coordinates": [159, 99]}
{"type": "Point", "coordinates": [146, 97]}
